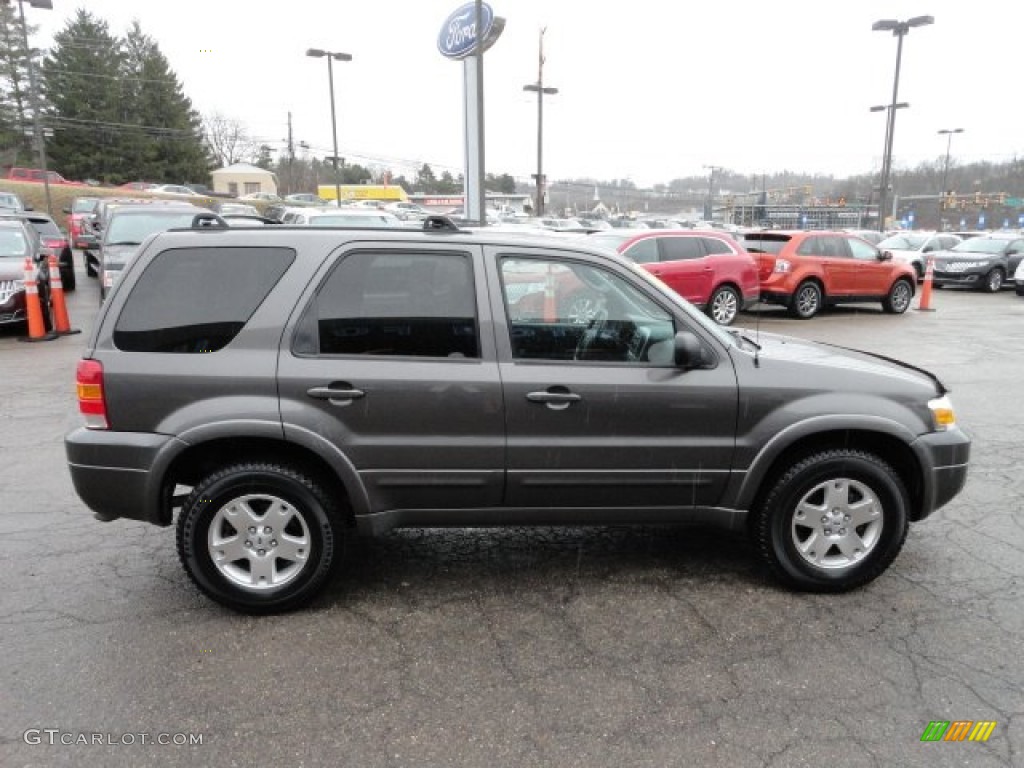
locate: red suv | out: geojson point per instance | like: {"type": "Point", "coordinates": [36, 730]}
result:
{"type": "Point", "coordinates": [34, 174]}
{"type": "Point", "coordinates": [707, 268]}
{"type": "Point", "coordinates": [805, 271]}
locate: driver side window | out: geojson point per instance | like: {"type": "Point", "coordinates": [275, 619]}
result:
{"type": "Point", "coordinates": [565, 310]}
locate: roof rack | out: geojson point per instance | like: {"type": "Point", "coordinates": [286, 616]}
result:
{"type": "Point", "coordinates": [438, 223]}
{"type": "Point", "coordinates": [202, 220]}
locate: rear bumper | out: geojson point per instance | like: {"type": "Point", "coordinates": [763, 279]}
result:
{"type": "Point", "coordinates": [957, 278]}
{"type": "Point", "coordinates": [112, 473]}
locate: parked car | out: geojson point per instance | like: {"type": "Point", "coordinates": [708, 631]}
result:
{"type": "Point", "coordinates": [80, 210]}
{"type": "Point", "coordinates": [275, 391]}
{"type": "Point", "coordinates": [268, 197]}
{"type": "Point", "coordinates": [246, 220]}
{"type": "Point", "coordinates": [37, 175]}
{"type": "Point", "coordinates": [52, 242]}
{"type": "Point", "coordinates": [304, 198]}
{"type": "Point", "coordinates": [174, 189]}
{"type": "Point", "coordinates": [407, 211]}
{"type": "Point", "coordinates": [96, 223]}
{"type": "Point", "coordinates": [1018, 279]}
{"type": "Point", "coordinates": [807, 270]}
{"type": "Point", "coordinates": [19, 241]}
{"type": "Point", "coordinates": [913, 248]}
{"type": "Point", "coordinates": [138, 186]}
{"type": "Point", "coordinates": [872, 236]}
{"type": "Point", "coordinates": [341, 217]}
{"type": "Point", "coordinates": [707, 268]}
{"type": "Point", "coordinates": [980, 262]}
{"type": "Point", "coordinates": [126, 230]}
{"type": "Point", "coordinates": [12, 202]}
{"type": "Point", "coordinates": [243, 209]}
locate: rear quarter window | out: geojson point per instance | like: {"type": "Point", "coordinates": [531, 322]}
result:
{"type": "Point", "coordinates": [196, 300]}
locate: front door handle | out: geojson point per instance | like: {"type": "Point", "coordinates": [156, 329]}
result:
{"type": "Point", "coordinates": [556, 398]}
{"type": "Point", "coordinates": [339, 393]}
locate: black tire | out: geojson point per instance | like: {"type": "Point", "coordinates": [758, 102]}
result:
{"type": "Point", "coordinates": [90, 265]}
{"type": "Point", "coordinates": [806, 301]}
{"type": "Point", "coordinates": [801, 504]}
{"type": "Point", "coordinates": [994, 281]}
{"type": "Point", "coordinates": [897, 301]}
{"type": "Point", "coordinates": [67, 278]}
{"type": "Point", "coordinates": [724, 305]}
{"type": "Point", "coordinates": [309, 527]}
{"type": "Point", "coordinates": [1019, 289]}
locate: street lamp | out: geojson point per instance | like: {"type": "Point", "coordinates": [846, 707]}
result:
{"type": "Point", "coordinates": [948, 133]}
{"type": "Point", "coordinates": [885, 147]}
{"type": "Point", "coordinates": [709, 211]}
{"type": "Point", "coordinates": [317, 53]}
{"type": "Point", "coordinates": [899, 30]}
{"type": "Point", "coordinates": [541, 91]}
{"type": "Point", "coordinates": [37, 131]}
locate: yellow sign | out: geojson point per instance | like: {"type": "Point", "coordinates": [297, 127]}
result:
{"type": "Point", "coordinates": [364, 192]}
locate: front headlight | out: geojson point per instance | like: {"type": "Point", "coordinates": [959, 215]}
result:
{"type": "Point", "coordinates": [943, 416]}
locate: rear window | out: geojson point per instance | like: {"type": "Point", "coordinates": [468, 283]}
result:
{"type": "Point", "coordinates": [196, 300]}
{"type": "Point", "coordinates": [84, 205]}
{"type": "Point", "coordinates": [12, 244]}
{"type": "Point", "coordinates": [764, 243]}
{"type": "Point", "coordinates": [46, 227]}
{"type": "Point", "coordinates": [133, 228]}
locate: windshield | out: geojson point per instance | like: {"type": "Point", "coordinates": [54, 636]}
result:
{"type": "Point", "coordinates": [84, 205]}
{"type": "Point", "coordinates": [903, 243]}
{"type": "Point", "coordinates": [13, 244]}
{"type": "Point", "coordinates": [132, 228]}
{"type": "Point", "coordinates": [981, 245]}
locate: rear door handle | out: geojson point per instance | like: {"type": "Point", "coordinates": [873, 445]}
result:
{"type": "Point", "coordinates": [339, 394]}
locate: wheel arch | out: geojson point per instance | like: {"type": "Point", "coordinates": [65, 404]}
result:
{"type": "Point", "coordinates": [200, 459]}
{"type": "Point", "coordinates": [771, 464]}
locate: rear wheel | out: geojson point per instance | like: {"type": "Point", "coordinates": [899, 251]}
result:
{"type": "Point", "coordinates": [806, 301]}
{"type": "Point", "coordinates": [724, 305]}
{"type": "Point", "coordinates": [259, 538]}
{"type": "Point", "coordinates": [898, 299]}
{"type": "Point", "coordinates": [833, 521]}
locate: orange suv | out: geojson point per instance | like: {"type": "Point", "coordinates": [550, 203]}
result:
{"type": "Point", "coordinates": [805, 271]}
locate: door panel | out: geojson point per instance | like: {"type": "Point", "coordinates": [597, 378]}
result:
{"type": "Point", "coordinates": [599, 416]}
{"type": "Point", "coordinates": [389, 364]}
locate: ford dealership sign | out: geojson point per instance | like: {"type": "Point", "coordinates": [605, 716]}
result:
{"type": "Point", "coordinates": [459, 36]}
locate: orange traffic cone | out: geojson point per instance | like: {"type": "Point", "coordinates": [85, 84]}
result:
{"type": "Point", "coordinates": [61, 321]}
{"type": "Point", "coordinates": [33, 307]}
{"type": "Point", "coordinates": [926, 290]}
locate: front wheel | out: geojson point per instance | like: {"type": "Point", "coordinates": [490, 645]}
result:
{"type": "Point", "coordinates": [832, 522]}
{"type": "Point", "coordinates": [898, 299]}
{"type": "Point", "coordinates": [993, 281]}
{"type": "Point", "coordinates": [724, 305]}
{"type": "Point", "coordinates": [806, 301]}
{"type": "Point", "coordinates": [259, 538]}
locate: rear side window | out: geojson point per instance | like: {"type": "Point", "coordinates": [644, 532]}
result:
{"type": "Point", "coordinates": [643, 251]}
{"type": "Point", "coordinates": [680, 248]}
{"type": "Point", "coordinates": [196, 300]}
{"type": "Point", "coordinates": [714, 246]}
{"type": "Point", "coordinates": [398, 304]}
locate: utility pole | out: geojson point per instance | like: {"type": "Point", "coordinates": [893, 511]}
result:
{"type": "Point", "coordinates": [291, 158]}
{"type": "Point", "coordinates": [709, 209]}
{"type": "Point", "coordinates": [541, 91]}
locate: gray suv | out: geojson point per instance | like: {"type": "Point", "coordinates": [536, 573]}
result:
{"type": "Point", "coordinates": [279, 389]}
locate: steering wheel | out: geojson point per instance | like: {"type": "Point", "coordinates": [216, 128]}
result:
{"type": "Point", "coordinates": [593, 330]}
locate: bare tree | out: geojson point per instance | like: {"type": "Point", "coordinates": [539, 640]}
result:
{"type": "Point", "coordinates": [227, 140]}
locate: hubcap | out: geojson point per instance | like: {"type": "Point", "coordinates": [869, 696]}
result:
{"type": "Point", "coordinates": [837, 524]}
{"type": "Point", "coordinates": [807, 301]}
{"type": "Point", "coordinates": [724, 307]}
{"type": "Point", "coordinates": [258, 542]}
{"type": "Point", "coordinates": [900, 296]}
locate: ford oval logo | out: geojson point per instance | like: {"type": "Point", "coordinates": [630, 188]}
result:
{"type": "Point", "coordinates": [459, 35]}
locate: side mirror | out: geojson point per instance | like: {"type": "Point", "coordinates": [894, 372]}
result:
{"type": "Point", "coordinates": [885, 256]}
{"type": "Point", "coordinates": [689, 353]}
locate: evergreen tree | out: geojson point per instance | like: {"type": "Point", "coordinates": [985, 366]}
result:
{"type": "Point", "coordinates": [162, 111]}
{"type": "Point", "coordinates": [80, 76]}
{"type": "Point", "coordinates": [15, 107]}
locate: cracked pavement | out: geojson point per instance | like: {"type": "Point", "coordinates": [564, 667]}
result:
{"type": "Point", "coordinates": [548, 647]}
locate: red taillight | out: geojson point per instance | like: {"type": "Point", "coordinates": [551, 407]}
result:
{"type": "Point", "coordinates": [91, 401]}
{"type": "Point", "coordinates": [55, 243]}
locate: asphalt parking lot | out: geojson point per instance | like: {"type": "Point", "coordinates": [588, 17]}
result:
{"type": "Point", "coordinates": [552, 647]}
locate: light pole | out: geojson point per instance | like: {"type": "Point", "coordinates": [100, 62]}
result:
{"type": "Point", "coordinates": [888, 108]}
{"type": "Point", "coordinates": [899, 30]}
{"type": "Point", "coordinates": [948, 133]}
{"type": "Point", "coordinates": [317, 53]}
{"type": "Point", "coordinates": [37, 130]}
{"type": "Point", "coordinates": [541, 91]}
{"type": "Point", "coordinates": [709, 209]}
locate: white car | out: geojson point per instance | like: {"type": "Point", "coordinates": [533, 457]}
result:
{"type": "Point", "coordinates": [407, 211]}
{"type": "Point", "coordinates": [174, 189]}
{"type": "Point", "coordinates": [356, 216]}
{"type": "Point", "coordinates": [913, 248]}
{"type": "Point", "coordinates": [1018, 279]}
{"type": "Point", "coordinates": [269, 197]}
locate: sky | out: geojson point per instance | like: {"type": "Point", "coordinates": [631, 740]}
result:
{"type": "Point", "coordinates": [648, 90]}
